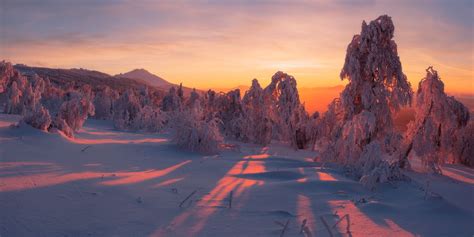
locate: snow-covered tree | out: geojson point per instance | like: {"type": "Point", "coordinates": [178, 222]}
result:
{"type": "Point", "coordinates": [438, 118]}
{"type": "Point", "coordinates": [52, 96]}
{"type": "Point", "coordinates": [197, 132]}
{"type": "Point", "coordinates": [172, 101]}
{"type": "Point", "coordinates": [74, 112]}
{"type": "Point", "coordinates": [61, 125]}
{"type": "Point", "coordinates": [464, 146]}
{"type": "Point", "coordinates": [149, 119]}
{"type": "Point", "coordinates": [38, 118]}
{"type": "Point", "coordinates": [257, 125]}
{"type": "Point", "coordinates": [359, 124]}
{"type": "Point", "coordinates": [30, 98]}
{"type": "Point", "coordinates": [228, 108]}
{"type": "Point", "coordinates": [292, 117]}
{"type": "Point", "coordinates": [13, 104]}
{"type": "Point", "coordinates": [104, 103]}
{"type": "Point", "coordinates": [377, 87]}
{"type": "Point", "coordinates": [194, 98]}
{"type": "Point", "coordinates": [126, 109]}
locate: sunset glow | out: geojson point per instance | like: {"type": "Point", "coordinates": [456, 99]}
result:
{"type": "Point", "coordinates": [224, 44]}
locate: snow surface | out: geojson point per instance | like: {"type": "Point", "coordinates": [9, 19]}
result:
{"type": "Point", "coordinates": [110, 183]}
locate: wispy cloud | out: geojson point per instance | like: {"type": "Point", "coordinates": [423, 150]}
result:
{"type": "Point", "coordinates": [215, 43]}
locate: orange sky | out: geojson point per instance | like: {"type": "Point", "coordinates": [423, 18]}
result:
{"type": "Point", "coordinates": [222, 44]}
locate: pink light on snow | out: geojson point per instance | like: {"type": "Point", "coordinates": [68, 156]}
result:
{"type": "Point", "coordinates": [24, 182]}
{"type": "Point", "coordinates": [217, 197]}
{"type": "Point", "coordinates": [305, 211]}
{"type": "Point", "coordinates": [365, 226]}
{"type": "Point", "coordinates": [86, 141]}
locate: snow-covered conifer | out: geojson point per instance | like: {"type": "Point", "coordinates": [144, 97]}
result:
{"type": "Point", "coordinates": [438, 118]}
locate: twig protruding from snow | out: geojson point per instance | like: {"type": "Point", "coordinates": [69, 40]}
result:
{"type": "Point", "coordinates": [348, 226]}
{"type": "Point", "coordinates": [230, 198]}
{"type": "Point", "coordinates": [327, 226]}
{"type": "Point", "coordinates": [284, 228]}
{"type": "Point", "coordinates": [303, 225]}
{"type": "Point", "coordinates": [189, 196]}
{"type": "Point", "coordinates": [85, 148]}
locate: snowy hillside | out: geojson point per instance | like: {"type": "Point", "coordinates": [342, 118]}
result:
{"type": "Point", "coordinates": [110, 183]}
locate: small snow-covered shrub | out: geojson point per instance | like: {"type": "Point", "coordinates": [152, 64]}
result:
{"type": "Point", "coordinates": [374, 166]}
{"type": "Point", "coordinates": [38, 118]}
{"type": "Point", "coordinates": [61, 125]}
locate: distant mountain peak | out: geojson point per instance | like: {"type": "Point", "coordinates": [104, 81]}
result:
{"type": "Point", "coordinates": [145, 75]}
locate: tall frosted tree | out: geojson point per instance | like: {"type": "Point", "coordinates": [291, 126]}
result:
{"type": "Point", "coordinates": [292, 117]}
{"type": "Point", "coordinates": [257, 121]}
{"type": "Point", "coordinates": [436, 135]}
{"type": "Point", "coordinates": [363, 114]}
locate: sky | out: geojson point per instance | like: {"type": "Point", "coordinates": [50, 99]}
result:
{"type": "Point", "coordinates": [223, 44]}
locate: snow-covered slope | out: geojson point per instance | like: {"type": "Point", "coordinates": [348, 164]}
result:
{"type": "Point", "coordinates": [110, 183]}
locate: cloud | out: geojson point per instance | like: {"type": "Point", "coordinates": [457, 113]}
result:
{"type": "Point", "coordinates": [244, 38]}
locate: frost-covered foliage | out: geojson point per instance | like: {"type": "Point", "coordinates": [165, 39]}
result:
{"type": "Point", "coordinates": [73, 112]}
{"type": "Point", "coordinates": [375, 167]}
{"type": "Point", "coordinates": [434, 135]}
{"type": "Point", "coordinates": [360, 121]}
{"type": "Point", "coordinates": [104, 103]}
{"type": "Point", "coordinates": [194, 98]}
{"type": "Point", "coordinates": [292, 117]}
{"type": "Point", "coordinates": [126, 109]}
{"type": "Point", "coordinates": [194, 131]}
{"type": "Point", "coordinates": [173, 100]}
{"type": "Point", "coordinates": [257, 124]}
{"type": "Point", "coordinates": [38, 118]}
{"type": "Point", "coordinates": [30, 98]}
{"type": "Point", "coordinates": [274, 112]}
{"type": "Point", "coordinates": [373, 68]}
{"type": "Point", "coordinates": [13, 103]}
{"type": "Point", "coordinates": [228, 108]}
{"type": "Point", "coordinates": [60, 124]}
{"type": "Point", "coordinates": [52, 96]}
{"type": "Point", "coordinates": [464, 146]}
{"type": "Point", "coordinates": [149, 119]}
{"type": "Point", "coordinates": [22, 94]}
